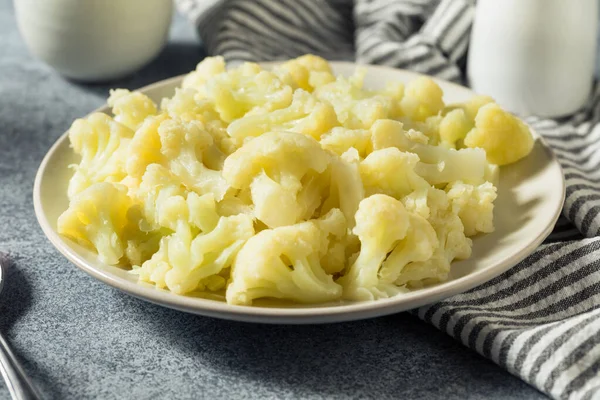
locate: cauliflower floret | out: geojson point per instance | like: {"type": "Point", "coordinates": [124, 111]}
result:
{"type": "Point", "coordinates": [395, 91]}
{"type": "Point", "coordinates": [102, 144]}
{"type": "Point", "coordinates": [97, 217]}
{"type": "Point", "coordinates": [422, 273]}
{"type": "Point", "coordinates": [355, 108]}
{"type": "Point", "coordinates": [436, 164]}
{"type": "Point", "coordinates": [339, 140]}
{"type": "Point", "coordinates": [197, 243]}
{"type": "Point", "coordinates": [184, 144]}
{"type": "Point", "coordinates": [429, 128]}
{"type": "Point", "coordinates": [306, 72]}
{"type": "Point", "coordinates": [180, 146]}
{"type": "Point", "coordinates": [474, 205]}
{"type": "Point", "coordinates": [279, 167]}
{"type": "Point", "coordinates": [141, 246]}
{"type": "Point", "coordinates": [454, 127]}
{"type": "Point", "coordinates": [422, 98]}
{"type": "Point", "coordinates": [236, 202]}
{"type": "Point", "coordinates": [306, 114]}
{"type": "Point", "coordinates": [334, 251]}
{"type": "Point", "coordinates": [247, 88]}
{"type": "Point", "coordinates": [417, 137]}
{"type": "Point", "coordinates": [390, 238]}
{"type": "Point", "coordinates": [389, 133]}
{"type": "Point", "coordinates": [346, 189]}
{"type": "Point", "coordinates": [472, 106]}
{"type": "Point", "coordinates": [392, 172]}
{"type": "Point", "coordinates": [141, 242]}
{"type": "Point", "coordinates": [276, 203]}
{"type": "Point", "coordinates": [158, 187]}
{"type": "Point", "coordinates": [435, 206]}
{"type": "Point", "coordinates": [417, 248]}
{"type": "Point", "coordinates": [184, 262]}
{"type": "Point", "coordinates": [285, 263]}
{"type": "Point", "coordinates": [130, 108]}
{"type": "Point", "coordinates": [504, 137]}
{"type": "Point", "coordinates": [203, 211]}
{"type": "Point", "coordinates": [205, 70]}
{"type": "Point", "coordinates": [272, 152]}
{"type": "Point", "coordinates": [459, 119]}
{"type": "Point", "coordinates": [144, 148]}
{"type": "Point", "coordinates": [168, 204]}
{"type": "Point", "coordinates": [186, 105]}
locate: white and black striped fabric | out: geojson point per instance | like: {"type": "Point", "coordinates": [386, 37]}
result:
{"type": "Point", "coordinates": [541, 319]}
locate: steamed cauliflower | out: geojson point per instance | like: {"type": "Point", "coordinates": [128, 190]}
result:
{"type": "Point", "coordinates": [436, 164]}
{"type": "Point", "coordinates": [163, 197]}
{"type": "Point", "coordinates": [422, 98]}
{"type": "Point", "coordinates": [346, 188]}
{"type": "Point", "coordinates": [186, 262]}
{"type": "Point", "coordinates": [459, 119]}
{"type": "Point", "coordinates": [339, 140]}
{"type": "Point", "coordinates": [207, 69]}
{"type": "Point", "coordinates": [474, 205]}
{"type": "Point", "coordinates": [504, 137]}
{"type": "Point", "coordinates": [290, 183]}
{"type": "Point", "coordinates": [435, 206]}
{"type": "Point", "coordinates": [472, 106]}
{"type": "Point", "coordinates": [102, 144]}
{"type": "Point", "coordinates": [392, 172]}
{"type": "Point", "coordinates": [442, 165]}
{"type": "Point", "coordinates": [454, 127]}
{"type": "Point", "coordinates": [202, 242]}
{"type": "Point", "coordinates": [284, 263]}
{"type": "Point", "coordinates": [187, 105]}
{"type": "Point", "coordinates": [307, 72]}
{"type": "Point", "coordinates": [336, 250]}
{"type": "Point", "coordinates": [144, 148]}
{"type": "Point", "coordinates": [395, 91]}
{"type": "Point", "coordinates": [181, 146]}
{"type": "Point", "coordinates": [283, 171]}
{"type": "Point", "coordinates": [184, 146]}
{"type": "Point", "coordinates": [97, 218]}
{"type": "Point", "coordinates": [355, 107]}
{"type": "Point", "coordinates": [391, 238]}
{"type": "Point", "coordinates": [247, 88]}
{"type": "Point", "coordinates": [130, 108]}
{"type": "Point", "coordinates": [306, 114]}
{"type": "Point", "coordinates": [386, 133]}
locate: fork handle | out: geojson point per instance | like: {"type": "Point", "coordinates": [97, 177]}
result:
{"type": "Point", "coordinates": [19, 385]}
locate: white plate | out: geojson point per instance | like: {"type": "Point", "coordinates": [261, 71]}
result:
{"type": "Point", "coordinates": [531, 194]}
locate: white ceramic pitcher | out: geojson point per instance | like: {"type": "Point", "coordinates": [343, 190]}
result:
{"type": "Point", "coordinates": [535, 57]}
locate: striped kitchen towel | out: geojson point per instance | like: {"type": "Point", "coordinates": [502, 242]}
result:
{"type": "Point", "coordinates": [541, 319]}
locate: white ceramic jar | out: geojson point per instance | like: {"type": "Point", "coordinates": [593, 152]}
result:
{"type": "Point", "coordinates": [94, 40]}
{"type": "Point", "coordinates": [535, 57]}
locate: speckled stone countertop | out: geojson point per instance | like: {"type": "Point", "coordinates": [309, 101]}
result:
{"type": "Point", "coordinates": [80, 339]}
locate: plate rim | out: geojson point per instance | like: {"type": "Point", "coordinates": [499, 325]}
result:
{"type": "Point", "coordinates": [278, 315]}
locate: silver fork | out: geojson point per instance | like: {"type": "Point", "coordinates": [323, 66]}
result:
{"type": "Point", "coordinates": [19, 385]}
